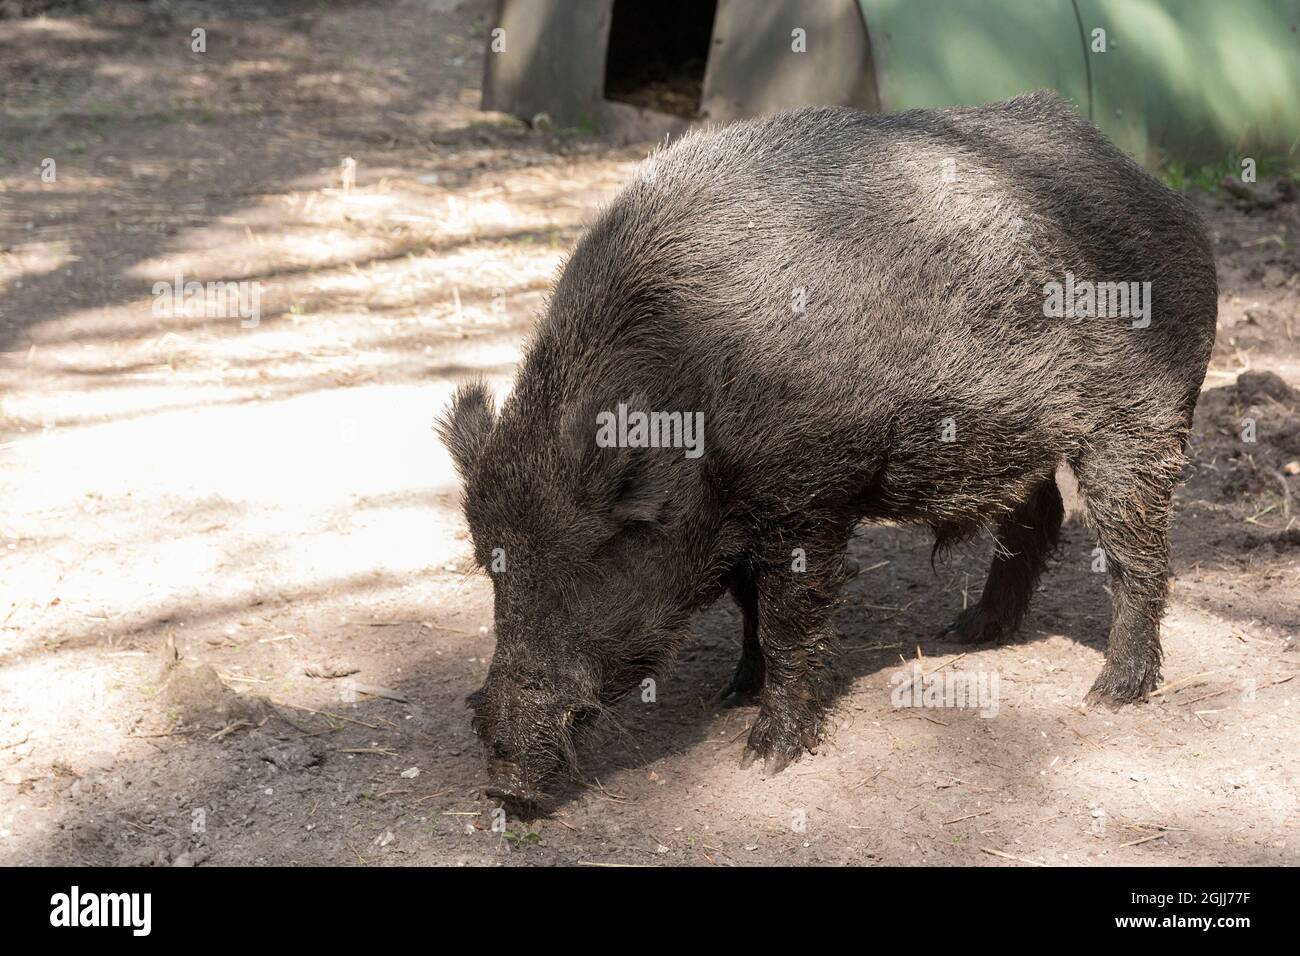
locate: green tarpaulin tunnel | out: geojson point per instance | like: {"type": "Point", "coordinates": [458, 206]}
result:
{"type": "Point", "coordinates": [1192, 79]}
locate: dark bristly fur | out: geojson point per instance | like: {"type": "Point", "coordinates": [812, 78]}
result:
{"type": "Point", "coordinates": [924, 303]}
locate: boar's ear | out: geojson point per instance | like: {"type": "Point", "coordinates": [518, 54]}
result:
{"type": "Point", "coordinates": [465, 426]}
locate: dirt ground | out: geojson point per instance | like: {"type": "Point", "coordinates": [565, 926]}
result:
{"type": "Point", "coordinates": [198, 516]}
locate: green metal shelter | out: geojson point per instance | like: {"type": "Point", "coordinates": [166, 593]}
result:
{"type": "Point", "coordinates": [1193, 79]}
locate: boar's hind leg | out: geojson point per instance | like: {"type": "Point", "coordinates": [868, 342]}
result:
{"type": "Point", "coordinates": [1025, 539]}
{"type": "Point", "coordinates": [798, 647]}
{"type": "Point", "coordinates": [1128, 487]}
{"type": "Point", "coordinates": [748, 679]}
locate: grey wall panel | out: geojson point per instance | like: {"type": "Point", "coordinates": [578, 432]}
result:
{"type": "Point", "coordinates": [754, 70]}
{"type": "Point", "coordinates": [554, 59]}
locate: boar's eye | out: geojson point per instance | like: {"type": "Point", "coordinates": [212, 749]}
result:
{"type": "Point", "coordinates": [579, 716]}
{"type": "Point", "coordinates": [640, 499]}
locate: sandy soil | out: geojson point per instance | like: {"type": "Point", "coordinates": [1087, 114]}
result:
{"type": "Point", "coordinates": [200, 515]}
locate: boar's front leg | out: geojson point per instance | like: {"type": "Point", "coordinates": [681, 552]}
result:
{"type": "Point", "coordinates": [799, 650]}
{"type": "Point", "coordinates": [748, 679]}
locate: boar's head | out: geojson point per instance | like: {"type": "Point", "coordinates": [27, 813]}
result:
{"type": "Point", "coordinates": [577, 542]}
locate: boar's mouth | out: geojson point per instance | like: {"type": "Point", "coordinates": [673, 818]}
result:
{"type": "Point", "coordinates": [508, 784]}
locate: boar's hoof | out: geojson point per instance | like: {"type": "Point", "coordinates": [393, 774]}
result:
{"type": "Point", "coordinates": [777, 762]}
{"type": "Point", "coordinates": [975, 625]}
{"type": "Point", "coordinates": [1117, 686]}
{"type": "Point", "coordinates": [773, 764]}
{"type": "Point", "coordinates": [779, 742]}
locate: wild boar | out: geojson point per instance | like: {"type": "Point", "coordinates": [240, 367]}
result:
{"type": "Point", "coordinates": [913, 317]}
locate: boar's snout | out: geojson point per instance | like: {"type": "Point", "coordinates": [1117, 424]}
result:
{"type": "Point", "coordinates": [525, 728]}
{"type": "Point", "coordinates": [508, 783]}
